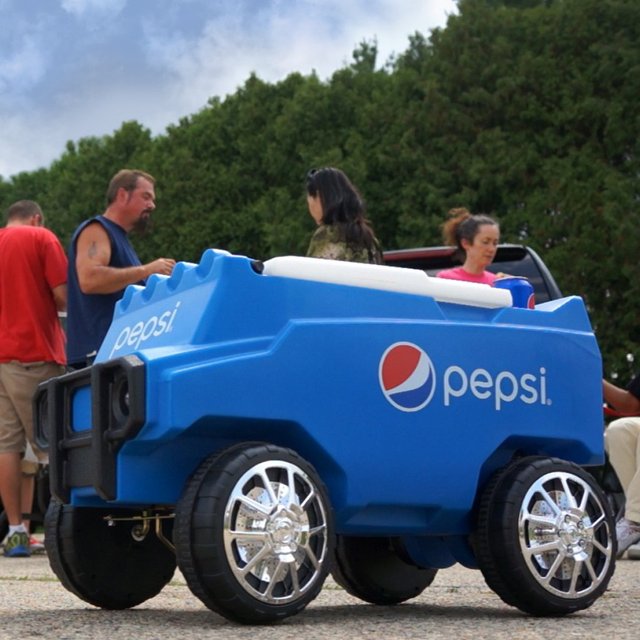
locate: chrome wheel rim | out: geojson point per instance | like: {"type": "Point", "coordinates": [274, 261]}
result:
{"type": "Point", "coordinates": [275, 532]}
{"type": "Point", "coordinates": [564, 535]}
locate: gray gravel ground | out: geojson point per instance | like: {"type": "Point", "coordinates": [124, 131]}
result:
{"type": "Point", "coordinates": [458, 605]}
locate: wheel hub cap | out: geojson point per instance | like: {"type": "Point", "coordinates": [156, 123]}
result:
{"type": "Point", "coordinates": [564, 535]}
{"type": "Point", "coordinates": [275, 532]}
{"type": "Point", "coordinates": [285, 531]}
{"type": "Point", "coordinates": [574, 534]}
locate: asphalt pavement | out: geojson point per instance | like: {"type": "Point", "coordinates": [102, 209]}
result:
{"type": "Point", "coordinates": [458, 605]}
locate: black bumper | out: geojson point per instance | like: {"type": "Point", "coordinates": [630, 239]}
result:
{"type": "Point", "coordinates": [88, 458]}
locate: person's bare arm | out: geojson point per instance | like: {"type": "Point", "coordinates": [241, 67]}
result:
{"type": "Point", "coordinates": [620, 399]}
{"type": "Point", "coordinates": [60, 297]}
{"type": "Point", "coordinates": [93, 252]}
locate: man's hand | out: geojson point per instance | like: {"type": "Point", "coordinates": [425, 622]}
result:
{"type": "Point", "coordinates": [620, 399]}
{"type": "Point", "coordinates": [163, 266]}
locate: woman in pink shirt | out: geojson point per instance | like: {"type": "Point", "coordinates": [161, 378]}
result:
{"type": "Point", "coordinates": [476, 238]}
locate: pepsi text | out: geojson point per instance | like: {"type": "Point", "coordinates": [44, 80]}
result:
{"type": "Point", "coordinates": [140, 332]}
{"type": "Point", "coordinates": [505, 387]}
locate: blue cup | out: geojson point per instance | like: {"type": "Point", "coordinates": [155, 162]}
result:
{"type": "Point", "coordinates": [521, 291]}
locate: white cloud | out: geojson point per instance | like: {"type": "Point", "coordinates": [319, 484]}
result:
{"type": "Point", "coordinates": [81, 7]}
{"type": "Point", "coordinates": [27, 144]}
{"type": "Point", "coordinates": [302, 36]}
{"type": "Point", "coordinates": [23, 67]}
{"type": "Point", "coordinates": [86, 69]}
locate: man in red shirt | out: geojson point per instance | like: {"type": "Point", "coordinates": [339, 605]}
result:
{"type": "Point", "coordinates": [33, 277]}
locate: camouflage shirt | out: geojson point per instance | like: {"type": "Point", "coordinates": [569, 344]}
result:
{"type": "Point", "coordinates": [327, 242]}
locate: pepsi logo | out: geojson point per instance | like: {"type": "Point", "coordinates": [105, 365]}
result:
{"type": "Point", "coordinates": [407, 376]}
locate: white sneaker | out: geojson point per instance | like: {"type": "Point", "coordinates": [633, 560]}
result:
{"type": "Point", "coordinates": [633, 553]}
{"type": "Point", "coordinates": [627, 533]}
{"type": "Point", "coordinates": [35, 545]}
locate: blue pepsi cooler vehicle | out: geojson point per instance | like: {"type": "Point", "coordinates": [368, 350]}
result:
{"type": "Point", "coordinates": [263, 424]}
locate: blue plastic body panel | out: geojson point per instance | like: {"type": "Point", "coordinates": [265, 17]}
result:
{"type": "Point", "coordinates": [404, 405]}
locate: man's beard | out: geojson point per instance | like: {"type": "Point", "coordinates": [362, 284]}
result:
{"type": "Point", "coordinates": [142, 225]}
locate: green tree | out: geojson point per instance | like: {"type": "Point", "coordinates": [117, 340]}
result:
{"type": "Point", "coordinates": [522, 109]}
{"type": "Point", "coordinates": [74, 187]}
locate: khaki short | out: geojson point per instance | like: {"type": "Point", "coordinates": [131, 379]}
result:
{"type": "Point", "coordinates": [18, 384]}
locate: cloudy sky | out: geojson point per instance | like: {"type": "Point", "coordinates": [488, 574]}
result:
{"type": "Point", "coordinates": [76, 68]}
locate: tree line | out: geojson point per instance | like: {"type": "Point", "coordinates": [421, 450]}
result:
{"type": "Point", "coordinates": [522, 109]}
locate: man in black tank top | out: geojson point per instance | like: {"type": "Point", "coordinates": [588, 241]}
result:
{"type": "Point", "coordinates": [102, 263]}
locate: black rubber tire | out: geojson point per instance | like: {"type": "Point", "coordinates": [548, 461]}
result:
{"type": "Point", "coordinates": [608, 481]}
{"type": "Point", "coordinates": [101, 564]}
{"type": "Point", "coordinates": [4, 524]}
{"type": "Point", "coordinates": [535, 502]}
{"type": "Point", "coordinates": [41, 495]}
{"type": "Point", "coordinates": [377, 570]}
{"type": "Point", "coordinates": [212, 563]}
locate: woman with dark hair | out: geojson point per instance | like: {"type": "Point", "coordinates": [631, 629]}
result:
{"type": "Point", "coordinates": [476, 238]}
{"type": "Point", "coordinates": [343, 232]}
